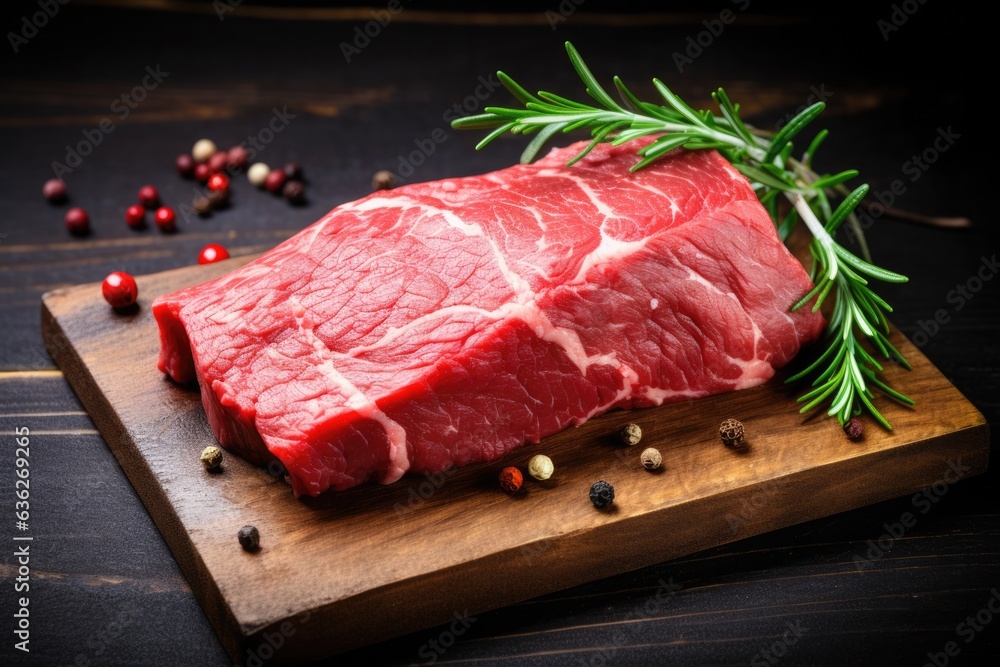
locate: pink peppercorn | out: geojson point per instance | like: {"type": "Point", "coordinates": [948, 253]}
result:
{"type": "Point", "coordinates": [77, 221]}
{"type": "Point", "coordinates": [275, 180]}
{"type": "Point", "coordinates": [149, 197]}
{"type": "Point", "coordinates": [54, 190]}
{"type": "Point", "coordinates": [185, 165]}
{"type": "Point", "coordinates": [120, 290]}
{"type": "Point", "coordinates": [135, 216]}
{"type": "Point", "coordinates": [166, 220]}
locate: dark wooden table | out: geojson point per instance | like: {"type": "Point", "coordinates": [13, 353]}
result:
{"type": "Point", "coordinates": [104, 589]}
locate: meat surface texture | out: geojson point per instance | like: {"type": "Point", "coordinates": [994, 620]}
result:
{"type": "Point", "coordinates": [449, 322]}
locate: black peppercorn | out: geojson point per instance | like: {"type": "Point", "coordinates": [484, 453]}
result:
{"type": "Point", "coordinates": [293, 170]}
{"type": "Point", "coordinates": [602, 494]}
{"type": "Point", "coordinates": [853, 428]}
{"type": "Point", "coordinates": [731, 432]}
{"type": "Point", "coordinates": [249, 538]}
{"type": "Point", "coordinates": [294, 192]}
{"type": "Point", "coordinates": [219, 198]}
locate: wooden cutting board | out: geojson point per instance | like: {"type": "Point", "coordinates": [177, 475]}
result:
{"type": "Point", "coordinates": [360, 566]}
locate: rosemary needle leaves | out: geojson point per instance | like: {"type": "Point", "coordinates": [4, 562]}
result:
{"type": "Point", "coordinates": [845, 371]}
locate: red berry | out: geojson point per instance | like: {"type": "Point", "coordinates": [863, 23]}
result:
{"type": "Point", "coordinates": [77, 221]}
{"type": "Point", "coordinates": [275, 180]}
{"type": "Point", "coordinates": [185, 165]}
{"type": "Point", "coordinates": [54, 190]}
{"type": "Point", "coordinates": [238, 157]}
{"type": "Point", "coordinates": [202, 172]}
{"type": "Point", "coordinates": [218, 162]}
{"type": "Point", "coordinates": [135, 216]}
{"type": "Point", "coordinates": [218, 182]}
{"type": "Point", "coordinates": [120, 290]}
{"type": "Point", "coordinates": [149, 197]}
{"type": "Point", "coordinates": [213, 252]}
{"type": "Point", "coordinates": [165, 219]}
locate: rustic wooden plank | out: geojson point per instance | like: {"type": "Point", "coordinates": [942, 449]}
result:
{"type": "Point", "coordinates": [468, 545]}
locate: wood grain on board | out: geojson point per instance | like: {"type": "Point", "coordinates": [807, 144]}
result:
{"type": "Point", "coordinates": [351, 568]}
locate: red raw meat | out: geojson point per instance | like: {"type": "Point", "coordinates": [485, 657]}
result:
{"type": "Point", "coordinates": [449, 322]}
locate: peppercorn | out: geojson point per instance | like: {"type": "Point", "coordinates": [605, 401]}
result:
{"type": "Point", "coordinates": [218, 162]}
{"type": "Point", "coordinates": [383, 180]}
{"type": "Point", "coordinates": [202, 172]}
{"type": "Point", "coordinates": [602, 494]}
{"type": "Point", "coordinates": [249, 538]}
{"type": "Point", "coordinates": [184, 164]}
{"type": "Point", "coordinates": [135, 216]}
{"type": "Point", "coordinates": [166, 219]}
{"type": "Point", "coordinates": [77, 221]}
{"type": "Point", "coordinates": [294, 192]}
{"type": "Point", "coordinates": [293, 170]}
{"type": "Point", "coordinates": [149, 197]}
{"type": "Point", "coordinates": [732, 434]}
{"type": "Point", "coordinates": [203, 149]}
{"type": "Point", "coordinates": [853, 428]}
{"type": "Point", "coordinates": [257, 174]}
{"type": "Point", "coordinates": [54, 190]}
{"type": "Point", "coordinates": [218, 182]}
{"type": "Point", "coordinates": [119, 289]}
{"type": "Point", "coordinates": [275, 181]}
{"type": "Point", "coordinates": [631, 434]}
{"type": "Point", "coordinates": [237, 157]}
{"type": "Point", "coordinates": [202, 205]}
{"type": "Point", "coordinates": [213, 252]}
{"type": "Point", "coordinates": [511, 479]}
{"type": "Point", "coordinates": [540, 467]}
{"type": "Point", "coordinates": [218, 198]}
{"type": "Point", "coordinates": [211, 458]}
{"type": "Point", "coordinates": [651, 458]}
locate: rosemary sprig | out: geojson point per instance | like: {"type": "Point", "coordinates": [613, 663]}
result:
{"type": "Point", "coordinates": [845, 372]}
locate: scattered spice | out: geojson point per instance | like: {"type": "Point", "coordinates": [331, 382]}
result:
{"type": "Point", "coordinates": [602, 494]}
{"type": "Point", "coordinates": [511, 479]}
{"type": "Point", "coordinates": [257, 174]}
{"type": "Point", "coordinates": [77, 221]}
{"type": "Point", "coordinates": [135, 216]}
{"type": "Point", "coordinates": [732, 434]}
{"type": "Point", "coordinates": [211, 458]}
{"type": "Point", "coordinates": [651, 458]}
{"type": "Point", "coordinates": [631, 434]}
{"type": "Point", "coordinates": [149, 197]}
{"type": "Point", "coordinates": [203, 149]}
{"type": "Point", "coordinates": [166, 219]}
{"type": "Point", "coordinates": [853, 428]}
{"type": "Point", "coordinates": [202, 205]}
{"type": "Point", "coordinates": [54, 190]}
{"type": "Point", "coordinates": [213, 252]}
{"type": "Point", "coordinates": [202, 172]}
{"type": "Point", "coordinates": [184, 164]}
{"type": "Point", "coordinates": [294, 192]}
{"type": "Point", "coordinates": [119, 289]}
{"type": "Point", "coordinates": [218, 182]}
{"type": "Point", "coordinates": [218, 162]}
{"type": "Point", "coordinates": [383, 180]}
{"type": "Point", "coordinates": [249, 538]}
{"type": "Point", "coordinates": [238, 157]}
{"type": "Point", "coordinates": [275, 181]}
{"type": "Point", "coordinates": [540, 467]}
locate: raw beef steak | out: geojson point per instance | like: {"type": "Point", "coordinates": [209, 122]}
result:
{"type": "Point", "coordinates": [443, 323]}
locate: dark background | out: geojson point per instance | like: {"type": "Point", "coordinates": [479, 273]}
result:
{"type": "Point", "coordinates": [105, 589]}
